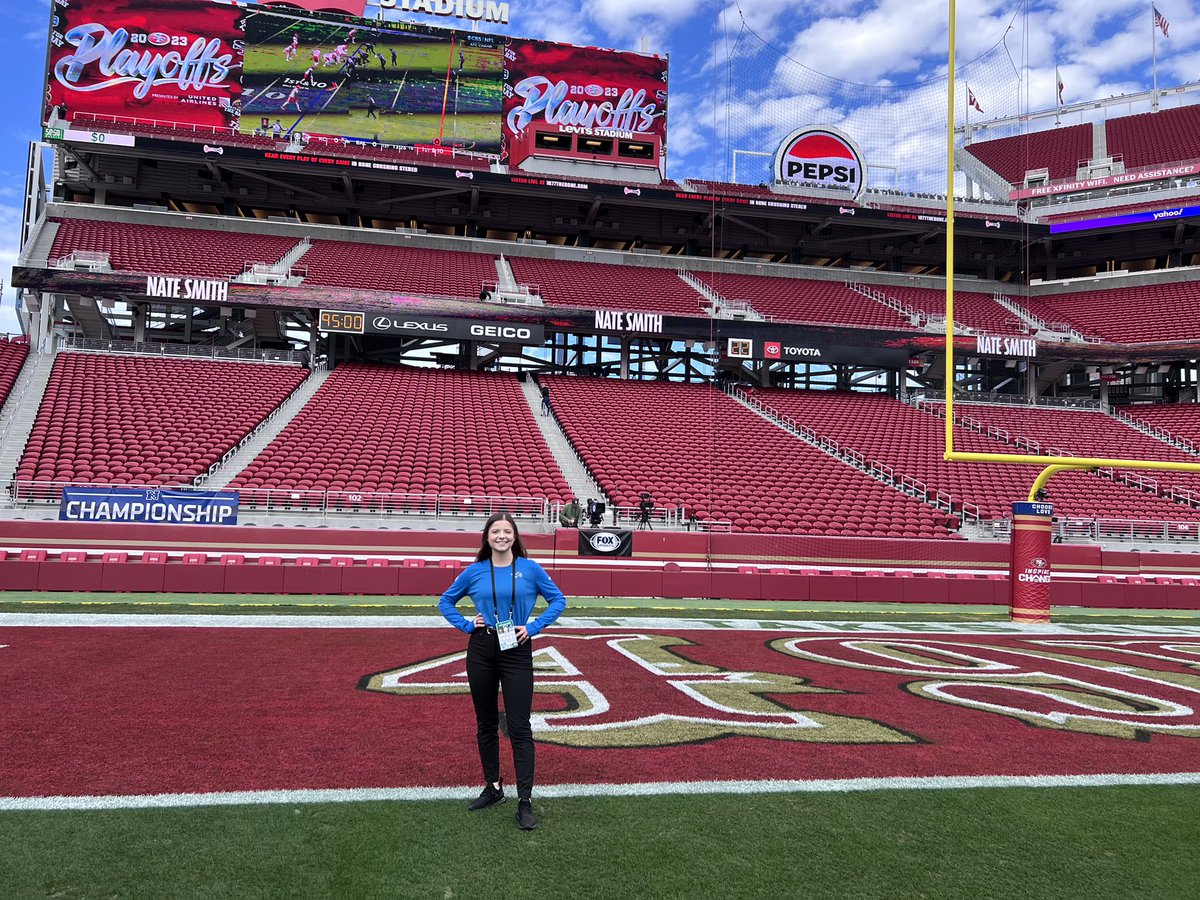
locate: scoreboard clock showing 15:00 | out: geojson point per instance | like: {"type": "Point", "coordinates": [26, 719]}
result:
{"type": "Point", "coordinates": [342, 322]}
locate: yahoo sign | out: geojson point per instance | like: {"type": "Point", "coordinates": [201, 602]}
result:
{"type": "Point", "coordinates": [1157, 215]}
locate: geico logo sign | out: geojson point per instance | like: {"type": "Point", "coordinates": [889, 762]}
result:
{"type": "Point", "coordinates": [802, 351]}
{"type": "Point", "coordinates": [511, 332]}
{"type": "Point", "coordinates": [605, 542]}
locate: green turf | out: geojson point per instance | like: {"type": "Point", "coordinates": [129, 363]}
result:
{"type": "Point", "coordinates": [1056, 842]}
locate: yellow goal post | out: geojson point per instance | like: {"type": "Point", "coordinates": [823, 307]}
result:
{"type": "Point", "coordinates": [1052, 464]}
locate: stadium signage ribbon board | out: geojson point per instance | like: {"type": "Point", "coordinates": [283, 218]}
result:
{"type": "Point", "coordinates": [994, 345]}
{"type": "Point", "coordinates": [202, 290]}
{"type": "Point", "coordinates": [609, 320]}
{"type": "Point", "coordinates": [824, 157]}
{"type": "Point", "coordinates": [1104, 181]}
{"type": "Point", "coordinates": [456, 329]}
{"type": "Point", "coordinates": [1136, 218]}
{"type": "Point", "coordinates": [148, 505]}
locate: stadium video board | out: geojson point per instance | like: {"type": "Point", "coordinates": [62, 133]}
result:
{"type": "Point", "coordinates": [212, 65]}
{"type": "Point", "coordinates": [170, 61]}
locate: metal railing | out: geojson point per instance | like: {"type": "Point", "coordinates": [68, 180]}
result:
{"type": "Point", "coordinates": [915, 397]}
{"type": "Point", "coordinates": [1075, 529]}
{"type": "Point", "coordinates": [310, 142]}
{"type": "Point", "coordinates": [191, 351]}
{"type": "Point", "coordinates": [322, 504]}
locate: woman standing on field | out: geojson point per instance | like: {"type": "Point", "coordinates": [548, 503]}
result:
{"type": "Point", "coordinates": [503, 584]}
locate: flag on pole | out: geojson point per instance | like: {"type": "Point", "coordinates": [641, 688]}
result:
{"type": "Point", "coordinates": [971, 101]}
{"type": "Point", "coordinates": [1059, 82]}
{"type": "Point", "coordinates": [1160, 21]}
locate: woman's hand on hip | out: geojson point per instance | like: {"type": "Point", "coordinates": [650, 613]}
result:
{"type": "Point", "coordinates": [522, 634]}
{"type": "Point", "coordinates": [478, 620]}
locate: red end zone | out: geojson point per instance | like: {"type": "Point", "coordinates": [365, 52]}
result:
{"type": "Point", "coordinates": [147, 710]}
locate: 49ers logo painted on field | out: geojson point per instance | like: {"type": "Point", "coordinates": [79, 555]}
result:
{"type": "Point", "coordinates": [696, 702]}
{"type": "Point", "coordinates": [634, 690]}
{"type": "Point", "coordinates": [822, 156]}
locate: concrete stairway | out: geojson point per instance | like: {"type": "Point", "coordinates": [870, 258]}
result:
{"type": "Point", "coordinates": [583, 486]}
{"type": "Point", "coordinates": [20, 411]}
{"type": "Point", "coordinates": [88, 317]}
{"type": "Point", "coordinates": [240, 457]}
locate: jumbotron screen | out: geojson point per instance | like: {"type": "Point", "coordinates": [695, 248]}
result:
{"type": "Point", "coordinates": [211, 65]}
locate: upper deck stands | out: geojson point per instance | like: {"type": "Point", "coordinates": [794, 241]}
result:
{"type": "Point", "coordinates": [414, 270]}
{"type": "Point", "coordinates": [979, 311]}
{"type": "Point", "coordinates": [153, 249]}
{"type": "Point", "coordinates": [804, 300]}
{"type": "Point", "coordinates": [601, 285]}
{"type": "Point", "coordinates": [1155, 138]}
{"type": "Point", "coordinates": [1060, 150]}
{"type": "Point", "coordinates": [1127, 315]}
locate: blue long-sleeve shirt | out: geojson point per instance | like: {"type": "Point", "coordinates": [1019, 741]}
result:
{"type": "Point", "coordinates": [475, 581]}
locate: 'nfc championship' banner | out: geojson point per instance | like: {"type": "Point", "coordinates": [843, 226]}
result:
{"type": "Point", "coordinates": [605, 542]}
{"type": "Point", "coordinates": [267, 72]}
{"type": "Point", "coordinates": [148, 505]}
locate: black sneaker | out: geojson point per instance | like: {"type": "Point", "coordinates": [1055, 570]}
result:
{"type": "Point", "coordinates": [489, 797]}
{"type": "Point", "coordinates": [525, 819]}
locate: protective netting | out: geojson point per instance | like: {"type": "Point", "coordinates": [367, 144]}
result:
{"type": "Point", "coordinates": [900, 128]}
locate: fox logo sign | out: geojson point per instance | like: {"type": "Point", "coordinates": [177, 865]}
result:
{"type": "Point", "coordinates": [821, 156]}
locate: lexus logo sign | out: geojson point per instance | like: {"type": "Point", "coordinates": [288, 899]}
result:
{"type": "Point", "coordinates": [454, 329]}
{"type": "Point", "coordinates": [823, 157]}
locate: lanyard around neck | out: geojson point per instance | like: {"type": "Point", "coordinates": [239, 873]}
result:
{"type": "Point", "coordinates": [512, 598]}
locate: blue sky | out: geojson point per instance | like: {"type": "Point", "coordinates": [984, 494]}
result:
{"type": "Point", "coordinates": [1102, 48]}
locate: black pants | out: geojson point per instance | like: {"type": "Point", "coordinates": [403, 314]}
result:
{"type": "Point", "coordinates": [488, 670]}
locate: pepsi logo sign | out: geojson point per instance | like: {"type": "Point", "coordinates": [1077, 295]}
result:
{"type": "Point", "coordinates": [821, 156]}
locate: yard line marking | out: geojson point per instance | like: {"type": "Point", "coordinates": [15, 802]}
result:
{"type": "Point", "coordinates": [584, 622]}
{"type": "Point", "coordinates": [643, 789]}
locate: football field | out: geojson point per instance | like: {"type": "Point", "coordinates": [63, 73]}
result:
{"type": "Point", "coordinates": [680, 753]}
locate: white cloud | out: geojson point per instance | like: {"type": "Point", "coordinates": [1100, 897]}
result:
{"type": "Point", "coordinates": [10, 231]}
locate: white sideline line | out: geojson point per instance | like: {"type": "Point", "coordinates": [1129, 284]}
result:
{"type": "Point", "coordinates": [642, 789]}
{"type": "Point", "coordinates": [583, 622]}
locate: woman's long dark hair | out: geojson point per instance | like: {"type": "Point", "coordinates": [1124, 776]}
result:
{"type": "Point", "coordinates": [485, 549]}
